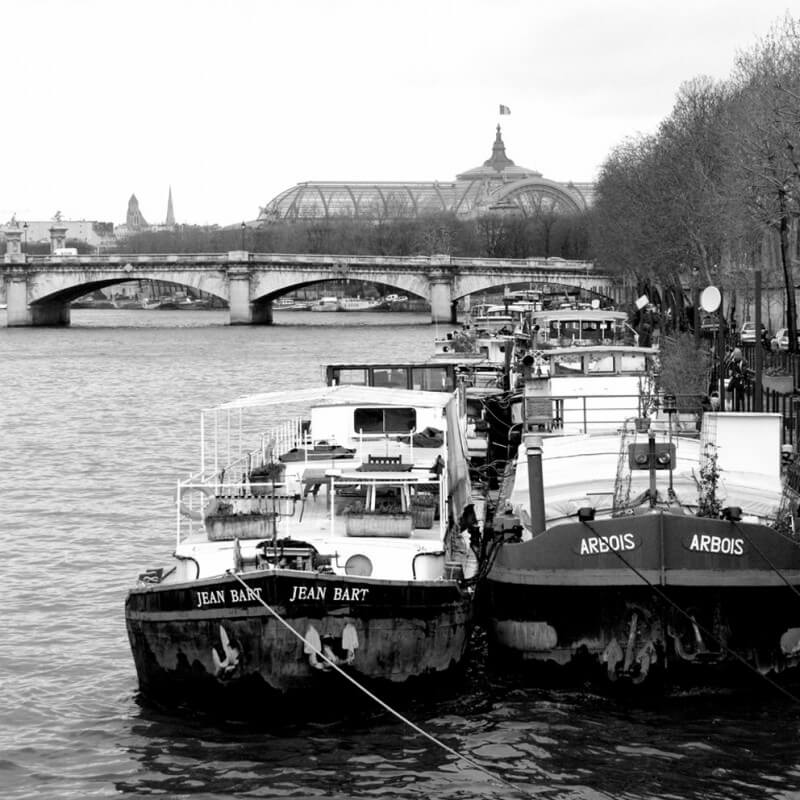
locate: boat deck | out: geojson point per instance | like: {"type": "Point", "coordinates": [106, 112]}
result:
{"type": "Point", "coordinates": [309, 518]}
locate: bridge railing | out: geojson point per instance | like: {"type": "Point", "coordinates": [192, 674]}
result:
{"type": "Point", "coordinates": [239, 256]}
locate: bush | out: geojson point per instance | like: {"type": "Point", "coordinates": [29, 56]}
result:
{"type": "Point", "coordinates": [684, 371]}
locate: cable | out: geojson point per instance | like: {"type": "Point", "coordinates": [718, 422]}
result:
{"type": "Point", "coordinates": [764, 556]}
{"type": "Point", "coordinates": [691, 619]}
{"type": "Point", "coordinates": [320, 654]}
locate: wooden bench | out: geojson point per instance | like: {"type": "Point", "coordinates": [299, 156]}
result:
{"type": "Point", "coordinates": [385, 464]}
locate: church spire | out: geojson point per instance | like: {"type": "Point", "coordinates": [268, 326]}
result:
{"type": "Point", "coordinates": [170, 213]}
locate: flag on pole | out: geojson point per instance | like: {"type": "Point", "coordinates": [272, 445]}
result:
{"type": "Point", "coordinates": [504, 110]}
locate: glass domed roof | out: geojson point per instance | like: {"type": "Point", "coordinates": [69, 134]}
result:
{"type": "Point", "coordinates": [497, 183]}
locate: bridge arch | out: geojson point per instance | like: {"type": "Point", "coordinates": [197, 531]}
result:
{"type": "Point", "coordinates": [271, 286]}
{"type": "Point", "coordinates": [590, 282]}
{"type": "Point", "coordinates": [73, 284]}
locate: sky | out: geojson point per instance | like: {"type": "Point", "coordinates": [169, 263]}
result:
{"type": "Point", "coordinates": [231, 102]}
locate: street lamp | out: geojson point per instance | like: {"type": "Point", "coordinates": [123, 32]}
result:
{"type": "Point", "coordinates": [244, 228]}
{"type": "Point", "coordinates": [25, 234]}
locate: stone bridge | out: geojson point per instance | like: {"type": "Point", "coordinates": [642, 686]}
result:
{"type": "Point", "coordinates": [39, 289]}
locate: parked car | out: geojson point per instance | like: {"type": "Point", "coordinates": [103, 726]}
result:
{"type": "Point", "coordinates": [780, 341]}
{"type": "Point", "coordinates": [747, 335]}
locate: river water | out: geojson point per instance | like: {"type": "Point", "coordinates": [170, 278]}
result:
{"type": "Point", "coordinates": [97, 422]}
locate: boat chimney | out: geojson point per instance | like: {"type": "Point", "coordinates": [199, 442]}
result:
{"type": "Point", "coordinates": [533, 451]}
{"type": "Point", "coordinates": [651, 462]}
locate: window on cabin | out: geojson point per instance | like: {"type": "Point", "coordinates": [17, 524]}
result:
{"type": "Point", "coordinates": [632, 362]}
{"type": "Point", "coordinates": [432, 379]}
{"type": "Point", "coordinates": [592, 331]}
{"type": "Point", "coordinates": [350, 377]}
{"type": "Point", "coordinates": [384, 420]}
{"type": "Point", "coordinates": [568, 365]}
{"type": "Point", "coordinates": [600, 363]}
{"type": "Point", "coordinates": [390, 377]}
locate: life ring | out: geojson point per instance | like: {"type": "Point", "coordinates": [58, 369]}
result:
{"type": "Point", "coordinates": [196, 516]}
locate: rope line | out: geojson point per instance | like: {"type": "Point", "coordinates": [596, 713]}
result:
{"type": "Point", "coordinates": [691, 619]}
{"type": "Point", "coordinates": [413, 726]}
{"type": "Point", "coordinates": [764, 556]}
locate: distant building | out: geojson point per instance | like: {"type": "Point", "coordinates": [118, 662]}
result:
{"type": "Point", "coordinates": [135, 219]}
{"type": "Point", "coordinates": [136, 223]}
{"type": "Point", "coordinates": [37, 231]}
{"type": "Point", "coordinates": [498, 185]}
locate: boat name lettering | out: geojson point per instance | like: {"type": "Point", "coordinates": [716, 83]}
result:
{"type": "Point", "coordinates": [350, 594]}
{"type": "Point", "coordinates": [595, 545]}
{"type": "Point", "coordinates": [705, 543]}
{"type": "Point", "coordinates": [217, 597]}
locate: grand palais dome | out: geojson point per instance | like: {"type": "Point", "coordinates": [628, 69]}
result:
{"type": "Point", "coordinates": [497, 185]}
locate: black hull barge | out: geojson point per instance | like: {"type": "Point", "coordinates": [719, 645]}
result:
{"type": "Point", "coordinates": [315, 554]}
{"type": "Point", "coordinates": [213, 642]}
{"type": "Point", "coordinates": [629, 580]}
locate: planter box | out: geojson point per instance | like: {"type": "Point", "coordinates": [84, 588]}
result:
{"type": "Point", "coordinates": [222, 527]}
{"type": "Point", "coordinates": [372, 523]}
{"type": "Point", "coordinates": [423, 516]}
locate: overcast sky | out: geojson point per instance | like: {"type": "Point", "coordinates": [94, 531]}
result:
{"type": "Point", "coordinates": [232, 102]}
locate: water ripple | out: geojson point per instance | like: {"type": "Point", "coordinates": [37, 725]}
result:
{"type": "Point", "coordinates": [99, 421]}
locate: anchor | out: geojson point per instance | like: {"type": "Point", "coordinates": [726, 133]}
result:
{"type": "Point", "coordinates": [343, 653]}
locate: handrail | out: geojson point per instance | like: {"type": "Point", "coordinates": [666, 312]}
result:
{"type": "Point", "coordinates": [316, 258]}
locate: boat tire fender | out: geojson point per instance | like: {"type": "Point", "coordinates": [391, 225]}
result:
{"type": "Point", "coordinates": [196, 516]}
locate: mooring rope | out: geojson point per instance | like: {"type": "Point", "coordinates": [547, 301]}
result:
{"type": "Point", "coordinates": [693, 621]}
{"type": "Point", "coordinates": [765, 557]}
{"type": "Point", "coordinates": [431, 737]}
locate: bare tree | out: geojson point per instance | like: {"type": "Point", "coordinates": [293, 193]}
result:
{"type": "Point", "coordinates": [766, 141]}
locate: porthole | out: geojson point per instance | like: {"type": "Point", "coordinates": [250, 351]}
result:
{"type": "Point", "coordinates": [358, 565]}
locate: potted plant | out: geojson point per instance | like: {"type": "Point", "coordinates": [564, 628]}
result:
{"type": "Point", "coordinates": [225, 524]}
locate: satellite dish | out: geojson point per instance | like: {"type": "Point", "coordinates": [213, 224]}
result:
{"type": "Point", "coordinates": [710, 299]}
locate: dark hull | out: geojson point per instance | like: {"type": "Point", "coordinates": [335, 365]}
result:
{"type": "Point", "coordinates": [207, 644]}
{"type": "Point", "coordinates": [669, 605]}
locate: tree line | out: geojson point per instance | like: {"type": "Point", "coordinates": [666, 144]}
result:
{"type": "Point", "coordinates": [492, 235]}
{"type": "Point", "coordinates": [714, 193]}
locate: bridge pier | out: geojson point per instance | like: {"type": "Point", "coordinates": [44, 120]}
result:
{"type": "Point", "coordinates": [244, 311]}
{"type": "Point", "coordinates": [16, 281]}
{"type": "Point", "coordinates": [18, 311]}
{"type": "Point", "coordinates": [442, 306]}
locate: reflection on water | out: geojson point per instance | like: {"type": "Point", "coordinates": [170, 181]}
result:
{"type": "Point", "coordinates": [98, 421]}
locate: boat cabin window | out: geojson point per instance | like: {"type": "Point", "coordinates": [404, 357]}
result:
{"type": "Point", "coordinates": [432, 379]}
{"type": "Point", "coordinates": [384, 420]}
{"type": "Point", "coordinates": [390, 377]}
{"type": "Point", "coordinates": [568, 365]}
{"type": "Point", "coordinates": [349, 377]}
{"type": "Point", "coordinates": [633, 362]}
{"type": "Point", "coordinates": [602, 362]}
